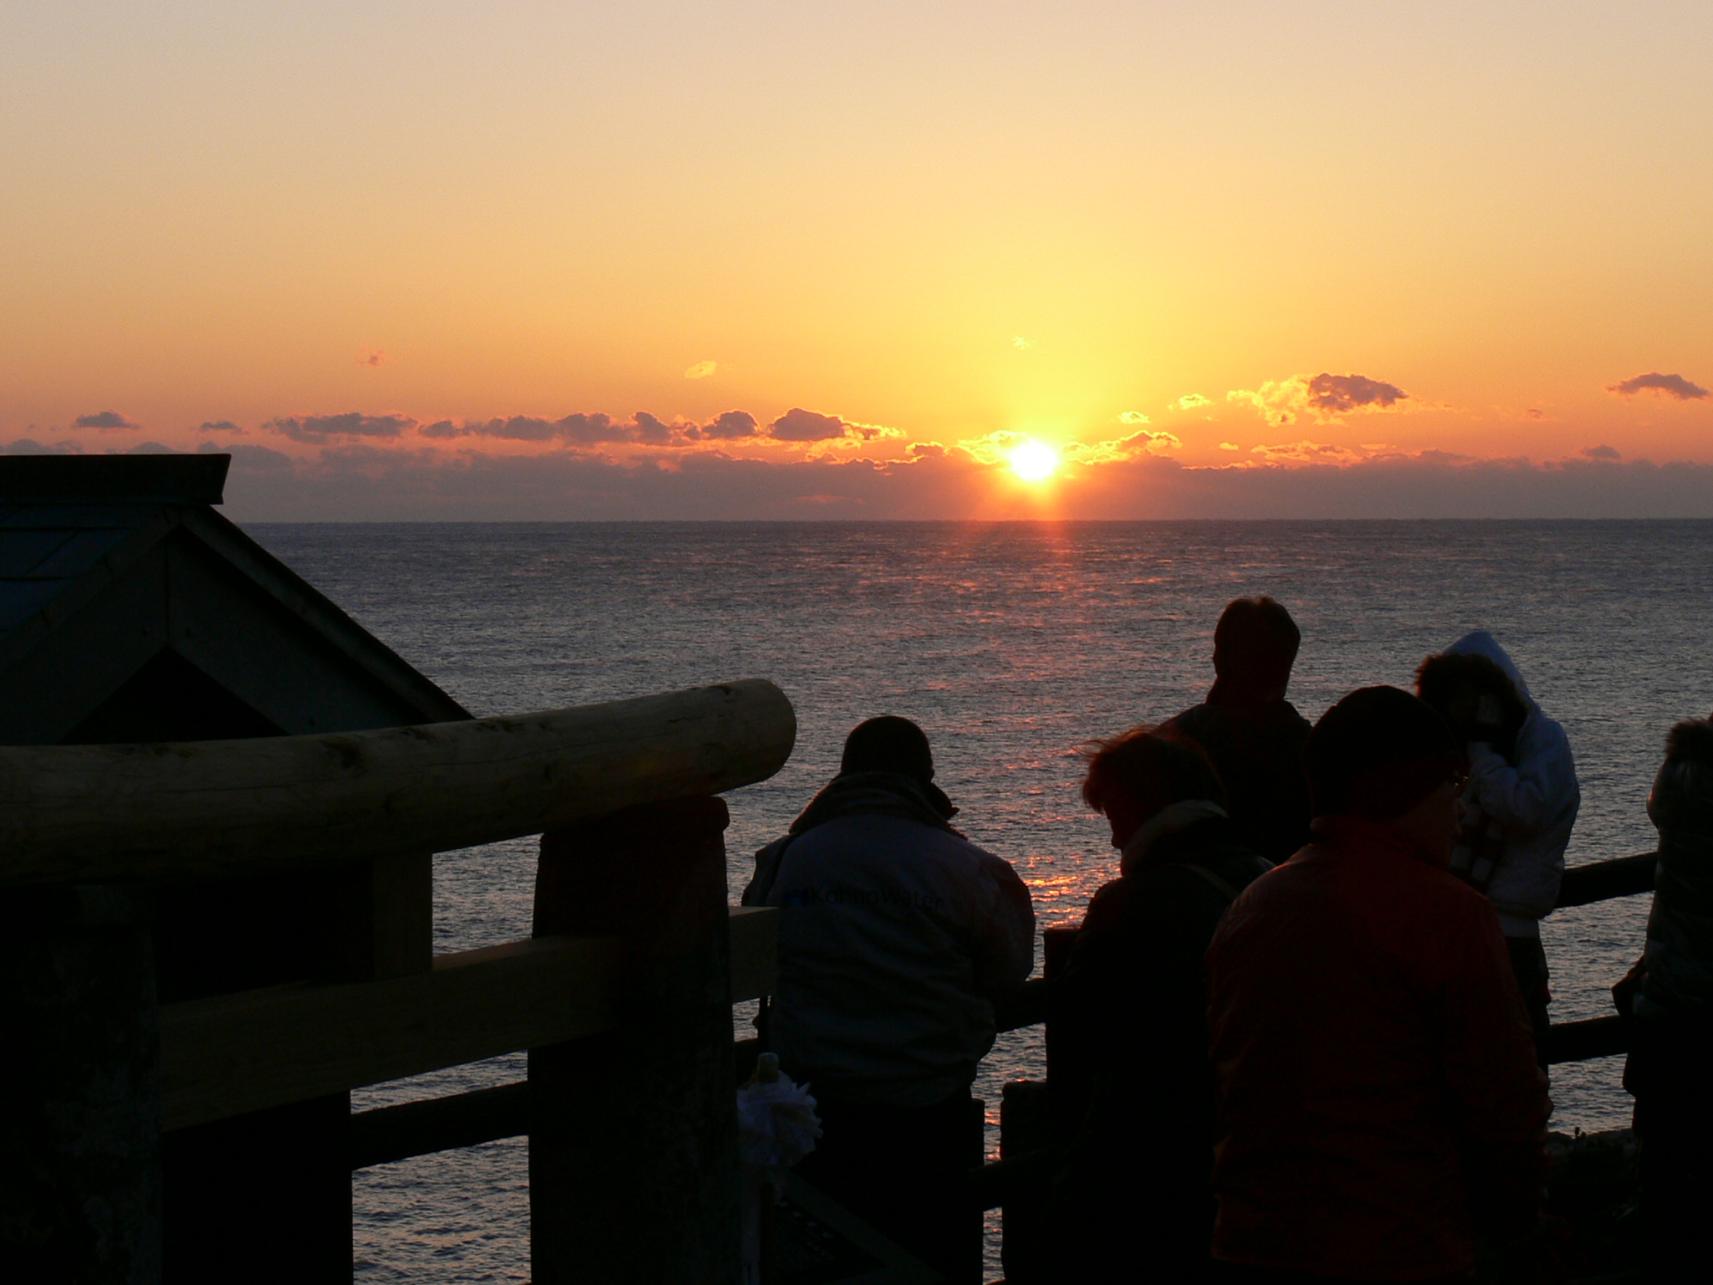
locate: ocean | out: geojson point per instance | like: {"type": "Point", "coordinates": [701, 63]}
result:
{"type": "Point", "coordinates": [1012, 645]}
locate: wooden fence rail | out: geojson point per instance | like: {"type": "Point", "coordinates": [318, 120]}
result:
{"type": "Point", "coordinates": [94, 813]}
{"type": "Point", "coordinates": [235, 1102]}
{"type": "Point", "coordinates": [396, 1133]}
{"type": "Point", "coordinates": [622, 997]}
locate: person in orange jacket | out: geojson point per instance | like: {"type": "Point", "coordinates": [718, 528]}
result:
{"type": "Point", "coordinates": [1379, 1103]}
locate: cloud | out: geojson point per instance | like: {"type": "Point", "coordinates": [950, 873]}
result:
{"type": "Point", "coordinates": [1535, 412]}
{"type": "Point", "coordinates": [104, 419]}
{"type": "Point", "coordinates": [1602, 452]}
{"type": "Point", "coordinates": [1139, 444]}
{"type": "Point", "coordinates": [219, 426]}
{"type": "Point", "coordinates": [1310, 452]}
{"type": "Point", "coordinates": [372, 357]}
{"type": "Point", "coordinates": [382, 481]}
{"type": "Point", "coordinates": [729, 426]}
{"type": "Point", "coordinates": [799, 425]}
{"type": "Point", "coordinates": [1022, 343]}
{"type": "Point", "coordinates": [320, 428]}
{"type": "Point", "coordinates": [249, 459]}
{"type": "Point", "coordinates": [1133, 417]}
{"type": "Point", "coordinates": [1326, 397]}
{"type": "Point", "coordinates": [874, 432]}
{"type": "Point", "coordinates": [701, 369]}
{"type": "Point", "coordinates": [927, 451]}
{"type": "Point", "coordinates": [585, 429]}
{"type": "Point", "coordinates": [30, 446]}
{"type": "Point", "coordinates": [1229, 446]}
{"type": "Point", "coordinates": [1673, 386]}
{"type": "Point", "coordinates": [1150, 441]}
{"type": "Point", "coordinates": [1340, 393]}
{"type": "Point", "coordinates": [1191, 401]}
{"type": "Point", "coordinates": [1276, 401]}
{"type": "Point", "coordinates": [588, 428]}
{"type": "Point", "coordinates": [516, 428]}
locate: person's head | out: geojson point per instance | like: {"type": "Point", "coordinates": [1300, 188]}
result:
{"type": "Point", "coordinates": [1386, 757]}
{"type": "Point", "coordinates": [1254, 646]}
{"type": "Point", "coordinates": [1133, 776]}
{"type": "Point", "coordinates": [1682, 798]}
{"type": "Point", "coordinates": [1474, 695]}
{"type": "Point", "coordinates": [888, 744]}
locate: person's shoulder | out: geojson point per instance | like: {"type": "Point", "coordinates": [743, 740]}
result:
{"type": "Point", "coordinates": [953, 851]}
{"type": "Point", "coordinates": [1188, 720]}
{"type": "Point", "coordinates": [1436, 894]}
{"type": "Point", "coordinates": [1107, 904]}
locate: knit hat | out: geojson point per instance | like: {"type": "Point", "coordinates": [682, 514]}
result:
{"type": "Point", "coordinates": [888, 744]}
{"type": "Point", "coordinates": [1377, 753]}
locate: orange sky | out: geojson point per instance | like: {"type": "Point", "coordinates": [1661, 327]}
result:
{"type": "Point", "coordinates": [375, 241]}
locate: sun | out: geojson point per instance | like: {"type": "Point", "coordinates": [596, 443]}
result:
{"type": "Point", "coordinates": [1034, 461]}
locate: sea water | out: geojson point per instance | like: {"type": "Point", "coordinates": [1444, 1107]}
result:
{"type": "Point", "coordinates": [1012, 645]}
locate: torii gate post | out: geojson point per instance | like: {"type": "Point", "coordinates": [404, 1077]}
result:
{"type": "Point", "coordinates": [633, 1168]}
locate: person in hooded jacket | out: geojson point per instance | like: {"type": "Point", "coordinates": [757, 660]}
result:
{"type": "Point", "coordinates": [1130, 1015]}
{"type": "Point", "coordinates": [1517, 813]}
{"type": "Point", "coordinates": [896, 937]}
{"type": "Point", "coordinates": [1669, 998]}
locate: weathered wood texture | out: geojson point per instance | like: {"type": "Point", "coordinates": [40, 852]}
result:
{"type": "Point", "coordinates": [73, 813]}
{"type": "Point", "coordinates": [1579, 1041]}
{"type": "Point", "coordinates": [633, 1166]}
{"type": "Point", "coordinates": [386, 1134]}
{"type": "Point", "coordinates": [229, 1054]}
{"type": "Point", "coordinates": [383, 1135]}
{"type": "Point", "coordinates": [754, 934]}
{"type": "Point", "coordinates": [80, 1182]}
{"type": "Point", "coordinates": [275, 1179]}
{"type": "Point", "coordinates": [242, 1052]}
{"type": "Point", "coordinates": [1603, 880]}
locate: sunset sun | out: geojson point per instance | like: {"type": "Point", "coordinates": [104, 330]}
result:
{"type": "Point", "coordinates": [1034, 461]}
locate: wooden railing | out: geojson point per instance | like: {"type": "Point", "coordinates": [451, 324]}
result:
{"type": "Point", "coordinates": [622, 997]}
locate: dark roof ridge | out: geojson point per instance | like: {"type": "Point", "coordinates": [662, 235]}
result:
{"type": "Point", "coordinates": [113, 479]}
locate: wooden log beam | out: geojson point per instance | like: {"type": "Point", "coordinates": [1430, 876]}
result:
{"type": "Point", "coordinates": [231, 1054]}
{"type": "Point", "coordinates": [1603, 880]}
{"type": "Point", "coordinates": [386, 1134]}
{"type": "Point", "coordinates": [1590, 1038]}
{"type": "Point", "coordinates": [242, 1052]}
{"type": "Point", "coordinates": [1025, 1006]}
{"type": "Point", "coordinates": [150, 812]}
{"type": "Point", "coordinates": [80, 1169]}
{"type": "Point", "coordinates": [633, 1138]}
{"type": "Point", "coordinates": [755, 945]}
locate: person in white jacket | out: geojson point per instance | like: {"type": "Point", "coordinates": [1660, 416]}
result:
{"type": "Point", "coordinates": [1520, 803]}
{"type": "Point", "coordinates": [896, 936]}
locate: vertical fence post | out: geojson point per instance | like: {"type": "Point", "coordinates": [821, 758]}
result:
{"type": "Point", "coordinates": [80, 1185]}
{"type": "Point", "coordinates": [633, 1134]}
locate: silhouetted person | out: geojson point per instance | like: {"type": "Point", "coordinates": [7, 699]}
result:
{"type": "Point", "coordinates": [1521, 802]}
{"type": "Point", "coordinates": [1255, 736]}
{"type": "Point", "coordinates": [1379, 1102]}
{"type": "Point", "coordinates": [896, 935]}
{"type": "Point", "coordinates": [1130, 1016]}
{"type": "Point", "coordinates": [1670, 997]}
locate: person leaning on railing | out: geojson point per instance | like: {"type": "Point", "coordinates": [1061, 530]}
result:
{"type": "Point", "coordinates": [896, 936]}
{"type": "Point", "coordinates": [1669, 997]}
